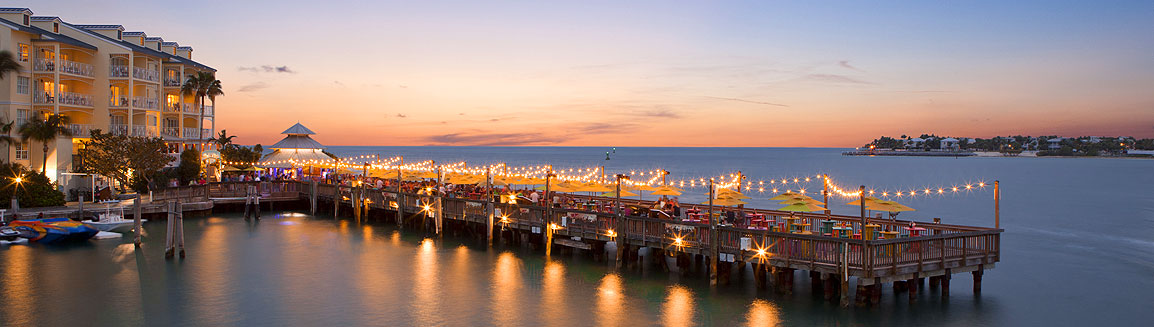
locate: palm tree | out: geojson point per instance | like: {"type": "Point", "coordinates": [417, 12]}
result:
{"type": "Point", "coordinates": [46, 131]}
{"type": "Point", "coordinates": [201, 85]}
{"type": "Point", "coordinates": [8, 63]}
{"type": "Point", "coordinates": [7, 139]}
{"type": "Point", "coordinates": [223, 139]}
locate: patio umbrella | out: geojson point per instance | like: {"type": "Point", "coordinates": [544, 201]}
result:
{"type": "Point", "coordinates": [888, 206]}
{"type": "Point", "coordinates": [639, 187]}
{"type": "Point", "coordinates": [785, 196]}
{"type": "Point", "coordinates": [383, 173]}
{"type": "Point", "coordinates": [345, 171]}
{"type": "Point", "coordinates": [728, 193]}
{"type": "Point", "coordinates": [624, 193]}
{"type": "Point", "coordinates": [869, 200]}
{"type": "Point", "coordinates": [666, 190]}
{"type": "Point", "coordinates": [802, 206]}
{"type": "Point", "coordinates": [594, 187]}
{"type": "Point", "coordinates": [725, 202]}
{"type": "Point", "coordinates": [802, 198]}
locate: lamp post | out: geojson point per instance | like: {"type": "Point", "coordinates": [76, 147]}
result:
{"type": "Point", "coordinates": [621, 239]}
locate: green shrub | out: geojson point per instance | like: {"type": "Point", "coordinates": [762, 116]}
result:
{"type": "Point", "coordinates": [33, 190]}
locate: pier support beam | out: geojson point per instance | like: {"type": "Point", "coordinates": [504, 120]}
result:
{"type": "Point", "coordinates": [313, 198]}
{"type": "Point", "coordinates": [912, 286]}
{"type": "Point", "coordinates": [827, 286]}
{"type": "Point", "coordinates": [977, 280]}
{"type": "Point", "coordinates": [844, 288]}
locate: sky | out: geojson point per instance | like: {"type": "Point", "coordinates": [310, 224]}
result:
{"type": "Point", "coordinates": [659, 73]}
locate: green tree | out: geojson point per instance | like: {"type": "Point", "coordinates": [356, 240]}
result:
{"type": "Point", "coordinates": [223, 140]}
{"type": "Point", "coordinates": [7, 139]}
{"type": "Point", "coordinates": [242, 155]}
{"type": "Point", "coordinates": [33, 189]}
{"type": "Point", "coordinates": [201, 85]}
{"type": "Point", "coordinates": [189, 168]}
{"type": "Point", "coordinates": [45, 131]}
{"type": "Point", "coordinates": [8, 63]}
{"type": "Point", "coordinates": [116, 155]}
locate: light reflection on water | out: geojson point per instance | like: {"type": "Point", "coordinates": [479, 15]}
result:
{"type": "Point", "coordinates": [678, 309]}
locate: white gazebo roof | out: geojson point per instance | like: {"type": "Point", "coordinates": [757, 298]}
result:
{"type": "Point", "coordinates": [288, 158]}
{"type": "Point", "coordinates": [298, 129]}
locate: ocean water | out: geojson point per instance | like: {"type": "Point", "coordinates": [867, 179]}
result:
{"type": "Point", "coordinates": [1078, 249]}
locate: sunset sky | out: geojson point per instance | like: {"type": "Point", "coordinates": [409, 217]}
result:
{"type": "Point", "coordinates": [659, 73]}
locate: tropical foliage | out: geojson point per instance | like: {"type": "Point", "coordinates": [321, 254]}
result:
{"type": "Point", "coordinates": [29, 188]}
{"type": "Point", "coordinates": [189, 168]}
{"type": "Point", "coordinates": [116, 156]}
{"type": "Point", "coordinates": [45, 131]}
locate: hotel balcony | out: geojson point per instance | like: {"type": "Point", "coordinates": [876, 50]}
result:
{"type": "Point", "coordinates": [191, 108]}
{"type": "Point", "coordinates": [118, 71]}
{"type": "Point", "coordinates": [80, 130]}
{"type": "Point", "coordinates": [65, 66]}
{"type": "Point", "coordinates": [170, 132]}
{"type": "Point", "coordinates": [145, 74]}
{"type": "Point", "coordinates": [118, 103]}
{"type": "Point", "coordinates": [63, 98]}
{"type": "Point", "coordinates": [145, 103]}
{"type": "Point", "coordinates": [168, 82]}
{"type": "Point", "coordinates": [144, 131]}
{"type": "Point", "coordinates": [209, 110]}
{"type": "Point", "coordinates": [196, 133]}
{"type": "Point", "coordinates": [118, 129]}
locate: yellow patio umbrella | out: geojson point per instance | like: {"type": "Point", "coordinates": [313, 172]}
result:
{"type": "Point", "coordinates": [728, 193]}
{"type": "Point", "coordinates": [802, 198]}
{"type": "Point", "coordinates": [250, 168]}
{"type": "Point", "coordinates": [411, 178]}
{"type": "Point", "coordinates": [802, 206]}
{"type": "Point", "coordinates": [869, 200]}
{"type": "Point", "coordinates": [666, 190]}
{"type": "Point", "coordinates": [427, 174]}
{"type": "Point", "coordinates": [383, 173]}
{"type": "Point", "coordinates": [624, 193]}
{"type": "Point", "coordinates": [725, 202]}
{"type": "Point", "coordinates": [345, 171]}
{"type": "Point", "coordinates": [785, 196]}
{"type": "Point", "coordinates": [594, 187]}
{"type": "Point", "coordinates": [888, 206]}
{"type": "Point", "coordinates": [639, 187]}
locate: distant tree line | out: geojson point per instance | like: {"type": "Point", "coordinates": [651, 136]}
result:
{"type": "Point", "coordinates": [1051, 145]}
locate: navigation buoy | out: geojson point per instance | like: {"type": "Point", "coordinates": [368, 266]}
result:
{"type": "Point", "coordinates": [607, 155]}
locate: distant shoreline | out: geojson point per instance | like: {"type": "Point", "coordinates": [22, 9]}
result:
{"type": "Point", "coordinates": [982, 154]}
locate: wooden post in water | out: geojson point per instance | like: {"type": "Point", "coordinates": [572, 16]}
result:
{"type": "Point", "coordinates": [714, 248]}
{"type": "Point", "coordinates": [622, 241]}
{"type": "Point", "coordinates": [180, 227]}
{"type": "Point", "coordinates": [488, 197]}
{"type": "Point", "coordinates": [439, 214]}
{"type": "Point", "coordinates": [336, 199]}
{"type": "Point", "coordinates": [997, 204]}
{"type": "Point", "coordinates": [400, 193]}
{"type": "Point", "coordinates": [136, 219]}
{"type": "Point", "coordinates": [80, 213]}
{"type": "Point", "coordinates": [549, 212]}
{"type": "Point", "coordinates": [313, 198]}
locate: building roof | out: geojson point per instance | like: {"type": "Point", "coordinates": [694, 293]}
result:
{"type": "Point", "coordinates": [16, 10]}
{"type": "Point", "coordinates": [950, 139]}
{"type": "Point", "coordinates": [100, 27]}
{"type": "Point", "coordinates": [279, 158]}
{"type": "Point", "coordinates": [135, 47]}
{"type": "Point", "coordinates": [154, 38]}
{"type": "Point", "coordinates": [295, 141]}
{"type": "Point", "coordinates": [169, 44]}
{"type": "Point", "coordinates": [298, 129]}
{"type": "Point", "coordinates": [48, 36]}
{"type": "Point", "coordinates": [44, 18]}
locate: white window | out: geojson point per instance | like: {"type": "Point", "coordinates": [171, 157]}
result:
{"type": "Point", "coordinates": [22, 116]}
{"type": "Point", "coordinates": [22, 84]}
{"type": "Point", "coordinates": [24, 51]}
{"type": "Point", "coordinates": [21, 150]}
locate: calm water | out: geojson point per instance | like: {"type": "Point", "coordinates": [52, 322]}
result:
{"type": "Point", "coordinates": [1078, 250]}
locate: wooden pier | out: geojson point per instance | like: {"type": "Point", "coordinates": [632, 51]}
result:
{"type": "Point", "coordinates": [943, 250]}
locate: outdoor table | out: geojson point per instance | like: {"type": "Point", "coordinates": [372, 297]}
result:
{"type": "Point", "coordinates": [871, 231]}
{"type": "Point", "coordinates": [888, 249]}
{"type": "Point", "coordinates": [827, 226]}
{"type": "Point", "coordinates": [843, 232]}
{"type": "Point", "coordinates": [914, 232]}
{"type": "Point", "coordinates": [803, 226]}
{"type": "Point", "coordinates": [790, 221]}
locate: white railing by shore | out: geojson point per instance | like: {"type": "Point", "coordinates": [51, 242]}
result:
{"type": "Point", "coordinates": [145, 102]}
{"type": "Point", "coordinates": [145, 74]}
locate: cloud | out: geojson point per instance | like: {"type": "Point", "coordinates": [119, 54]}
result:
{"type": "Point", "coordinates": [658, 113]}
{"type": "Point", "coordinates": [268, 69]}
{"type": "Point", "coordinates": [833, 78]}
{"type": "Point", "coordinates": [845, 64]}
{"type": "Point", "coordinates": [494, 139]}
{"type": "Point", "coordinates": [339, 84]}
{"type": "Point", "coordinates": [253, 87]}
{"type": "Point", "coordinates": [749, 101]}
{"type": "Point", "coordinates": [402, 116]}
{"type": "Point", "coordinates": [602, 128]}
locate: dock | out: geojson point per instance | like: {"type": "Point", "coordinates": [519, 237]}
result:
{"type": "Point", "coordinates": [940, 253]}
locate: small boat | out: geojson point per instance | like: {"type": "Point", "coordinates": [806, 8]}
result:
{"type": "Point", "coordinates": [53, 230]}
{"type": "Point", "coordinates": [112, 221]}
{"type": "Point", "coordinates": [9, 235]}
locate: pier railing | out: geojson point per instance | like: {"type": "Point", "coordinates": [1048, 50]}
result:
{"type": "Point", "coordinates": [941, 246]}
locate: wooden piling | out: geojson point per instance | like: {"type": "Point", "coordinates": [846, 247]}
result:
{"type": "Point", "coordinates": [136, 227]}
{"type": "Point", "coordinates": [912, 287]}
{"type": "Point", "coordinates": [977, 281]}
{"type": "Point", "coordinates": [313, 198]}
{"type": "Point", "coordinates": [945, 281]}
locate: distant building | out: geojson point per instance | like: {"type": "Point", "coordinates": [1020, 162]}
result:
{"type": "Point", "coordinates": [1055, 143]}
{"type": "Point", "coordinates": [950, 144]}
{"type": "Point", "coordinates": [915, 143]}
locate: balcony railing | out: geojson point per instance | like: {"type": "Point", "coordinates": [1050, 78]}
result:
{"type": "Point", "coordinates": [192, 133]}
{"type": "Point", "coordinates": [205, 133]}
{"type": "Point", "coordinates": [118, 129]}
{"type": "Point", "coordinates": [64, 98]}
{"type": "Point", "coordinates": [65, 66]}
{"type": "Point", "coordinates": [79, 130]}
{"type": "Point", "coordinates": [145, 74]}
{"type": "Point", "coordinates": [173, 132]}
{"type": "Point", "coordinates": [209, 110]}
{"type": "Point", "coordinates": [173, 107]}
{"type": "Point", "coordinates": [144, 131]}
{"type": "Point", "coordinates": [118, 102]}
{"type": "Point", "coordinates": [145, 102]}
{"type": "Point", "coordinates": [118, 71]}
{"type": "Point", "coordinates": [170, 82]}
{"type": "Point", "coordinates": [190, 108]}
